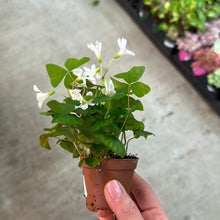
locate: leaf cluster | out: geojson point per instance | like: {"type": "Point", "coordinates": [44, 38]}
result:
{"type": "Point", "coordinates": [175, 16]}
{"type": "Point", "coordinates": [99, 131]}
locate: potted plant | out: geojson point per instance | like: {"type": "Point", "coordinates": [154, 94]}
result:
{"type": "Point", "coordinates": [191, 42]}
{"type": "Point", "coordinates": [95, 120]}
{"type": "Point", "coordinates": [216, 47]}
{"type": "Point", "coordinates": [214, 82]}
{"type": "Point", "coordinates": [187, 45]}
{"type": "Point", "coordinates": [206, 61]}
{"type": "Point", "coordinates": [174, 17]}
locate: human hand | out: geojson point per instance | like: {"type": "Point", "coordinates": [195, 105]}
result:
{"type": "Point", "coordinates": [143, 205]}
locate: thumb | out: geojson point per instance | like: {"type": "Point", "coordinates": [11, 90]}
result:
{"type": "Point", "coordinates": [120, 202]}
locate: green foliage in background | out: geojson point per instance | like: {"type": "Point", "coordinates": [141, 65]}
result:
{"type": "Point", "coordinates": [175, 16]}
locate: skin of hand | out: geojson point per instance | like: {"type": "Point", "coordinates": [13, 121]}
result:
{"type": "Point", "coordinates": [142, 204]}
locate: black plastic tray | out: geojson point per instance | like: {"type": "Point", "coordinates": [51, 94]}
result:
{"type": "Point", "coordinates": [134, 8]}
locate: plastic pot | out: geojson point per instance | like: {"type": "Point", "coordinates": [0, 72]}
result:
{"type": "Point", "coordinates": [184, 56]}
{"type": "Point", "coordinates": [96, 178]}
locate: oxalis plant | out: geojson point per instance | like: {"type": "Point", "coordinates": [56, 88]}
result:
{"type": "Point", "coordinates": [96, 114]}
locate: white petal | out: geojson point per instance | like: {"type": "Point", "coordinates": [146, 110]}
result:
{"type": "Point", "coordinates": [122, 43]}
{"type": "Point", "coordinates": [35, 88]}
{"type": "Point", "coordinates": [75, 94]}
{"type": "Point", "coordinates": [41, 95]}
{"type": "Point", "coordinates": [41, 101]}
{"type": "Point", "coordinates": [78, 72]}
{"type": "Point", "coordinates": [129, 52]}
{"type": "Point", "coordinates": [89, 93]}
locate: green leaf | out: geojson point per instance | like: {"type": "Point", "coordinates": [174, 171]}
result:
{"type": "Point", "coordinates": [73, 63]}
{"type": "Point", "coordinates": [119, 94]}
{"type": "Point", "coordinates": [46, 113]}
{"type": "Point", "coordinates": [211, 14]}
{"type": "Point", "coordinates": [92, 161]}
{"type": "Point", "coordinates": [113, 144]}
{"type": "Point", "coordinates": [115, 129]}
{"type": "Point", "coordinates": [97, 148]}
{"type": "Point", "coordinates": [140, 89]}
{"type": "Point", "coordinates": [56, 74]}
{"type": "Point", "coordinates": [65, 131]}
{"type": "Point", "coordinates": [86, 139]}
{"type": "Point", "coordinates": [67, 119]}
{"type": "Point", "coordinates": [81, 162]}
{"type": "Point", "coordinates": [132, 75]}
{"type": "Point", "coordinates": [95, 3]}
{"type": "Point", "coordinates": [119, 85]}
{"type": "Point", "coordinates": [133, 124]}
{"type": "Point", "coordinates": [66, 145]}
{"type": "Point", "coordinates": [44, 141]}
{"type": "Point", "coordinates": [101, 98]}
{"type": "Point", "coordinates": [144, 134]}
{"type": "Point", "coordinates": [133, 104]}
{"type": "Point", "coordinates": [69, 80]}
{"type": "Point", "coordinates": [99, 124]}
{"type": "Point", "coordinates": [62, 108]}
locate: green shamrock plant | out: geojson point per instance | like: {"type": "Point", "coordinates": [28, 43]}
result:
{"type": "Point", "coordinates": [96, 113]}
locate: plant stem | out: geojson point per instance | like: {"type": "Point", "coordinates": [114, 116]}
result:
{"type": "Point", "coordinates": [126, 117]}
{"type": "Point", "coordinates": [126, 149]}
{"type": "Point", "coordinates": [76, 145]}
{"type": "Point", "coordinates": [124, 138]}
{"type": "Point", "coordinates": [108, 66]}
{"type": "Point", "coordinates": [106, 114]}
{"type": "Point", "coordinates": [70, 76]}
{"type": "Point", "coordinates": [60, 94]}
{"type": "Point", "coordinates": [59, 139]}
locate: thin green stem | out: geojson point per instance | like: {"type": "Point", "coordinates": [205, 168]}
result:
{"type": "Point", "coordinates": [109, 105]}
{"type": "Point", "coordinates": [126, 117]}
{"type": "Point", "coordinates": [75, 137]}
{"type": "Point", "coordinates": [60, 94]}
{"type": "Point", "coordinates": [108, 66]}
{"type": "Point", "coordinates": [101, 70]}
{"type": "Point", "coordinates": [126, 149]}
{"type": "Point", "coordinates": [124, 138]}
{"type": "Point", "coordinates": [70, 76]}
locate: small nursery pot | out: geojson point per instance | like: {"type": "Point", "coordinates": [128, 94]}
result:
{"type": "Point", "coordinates": [184, 56]}
{"type": "Point", "coordinates": [96, 178]}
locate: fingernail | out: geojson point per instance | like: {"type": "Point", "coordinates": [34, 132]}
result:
{"type": "Point", "coordinates": [114, 190]}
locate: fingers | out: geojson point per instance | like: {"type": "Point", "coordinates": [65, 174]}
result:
{"type": "Point", "coordinates": [146, 199]}
{"type": "Point", "coordinates": [104, 216]}
{"type": "Point", "coordinates": [120, 202]}
{"type": "Point", "coordinates": [143, 194]}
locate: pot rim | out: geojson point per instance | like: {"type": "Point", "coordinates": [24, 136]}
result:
{"type": "Point", "coordinates": [115, 164]}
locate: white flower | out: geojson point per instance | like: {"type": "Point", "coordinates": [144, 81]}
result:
{"type": "Point", "coordinates": [91, 71]}
{"type": "Point", "coordinates": [91, 74]}
{"type": "Point", "coordinates": [96, 48]}
{"type": "Point", "coordinates": [122, 45]}
{"type": "Point", "coordinates": [89, 102]}
{"type": "Point", "coordinates": [80, 75]}
{"type": "Point", "coordinates": [109, 88]}
{"type": "Point", "coordinates": [41, 96]}
{"type": "Point", "coordinates": [76, 95]}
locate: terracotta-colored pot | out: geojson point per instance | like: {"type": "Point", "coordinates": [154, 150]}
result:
{"type": "Point", "coordinates": [96, 178]}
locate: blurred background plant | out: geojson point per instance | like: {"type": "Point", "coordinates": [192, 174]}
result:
{"type": "Point", "coordinates": [216, 47]}
{"type": "Point", "coordinates": [206, 59]}
{"type": "Point", "coordinates": [176, 16]}
{"type": "Point", "coordinates": [214, 78]}
{"type": "Point", "coordinates": [192, 41]}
